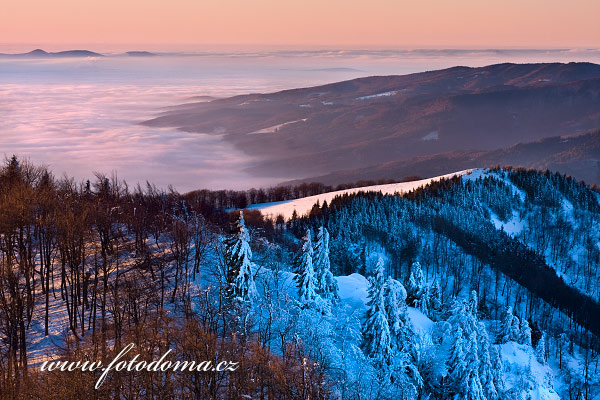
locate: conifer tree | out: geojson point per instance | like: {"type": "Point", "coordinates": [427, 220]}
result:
{"type": "Point", "coordinates": [435, 299]}
{"type": "Point", "coordinates": [468, 383]}
{"type": "Point", "coordinates": [486, 368]}
{"type": "Point", "coordinates": [497, 369]}
{"type": "Point", "coordinates": [238, 257]}
{"type": "Point", "coordinates": [325, 282]}
{"type": "Point", "coordinates": [457, 369]}
{"type": "Point", "coordinates": [403, 346]}
{"type": "Point", "coordinates": [417, 288]}
{"type": "Point", "coordinates": [525, 333]}
{"type": "Point", "coordinates": [473, 303]}
{"type": "Point", "coordinates": [540, 349]}
{"type": "Point", "coordinates": [510, 329]}
{"type": "Point", "coordinates": [396, 310]}
{"type": "Point", "coordinates": [377, 339]}
{"type": "Point", "coordinates": [463, 318]}
{"type": "Point", "coordinates": [305, 278]}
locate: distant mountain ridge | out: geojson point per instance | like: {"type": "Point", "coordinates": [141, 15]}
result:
{"type": "Point", "coordinates": [375, 120]}
{"type": "Point", "coordinates": [39, 53]}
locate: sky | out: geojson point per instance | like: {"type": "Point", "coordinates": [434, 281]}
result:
{"type": "Point", "coordinates": [189, 24]}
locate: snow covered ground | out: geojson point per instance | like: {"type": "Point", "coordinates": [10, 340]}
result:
{"type": "Point", "coordinates": [513, 226]}
{"type": "Point", "coordinates": [521, 369]}
{"type": "Point", "coordinates": [304, 204]}
{"type": "Point", "coordinates": [275, 128]}
{"type": "Point", "coordinates": [373, 96]}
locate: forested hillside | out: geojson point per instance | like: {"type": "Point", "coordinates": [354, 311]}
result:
{"type": "Point", "coordinates": [411, 124]}
{"type": "Point", "coordinates": [484, 286]}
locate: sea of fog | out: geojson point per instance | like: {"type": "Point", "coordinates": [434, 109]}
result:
{"type": "Point", "coordinates": [81, 115]}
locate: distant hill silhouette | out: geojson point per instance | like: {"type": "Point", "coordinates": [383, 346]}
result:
{"type": "Point", "coordinates": [39, 53]}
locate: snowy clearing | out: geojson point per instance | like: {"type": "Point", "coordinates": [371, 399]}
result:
{"type": "Point", "coordinates": [304, 205]}
{"type": "Point", "coordinates": [513, 226]}
{"type": "Point", "coordinates": [433, 135]}
{"type": "Point", "coordinates": [275, 128]}
{"type": "Point", "coordinates": [518, 361]}
{"type": "Point", "coordinates": [372, 96]}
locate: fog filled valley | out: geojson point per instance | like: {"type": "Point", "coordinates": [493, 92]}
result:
{"type": "Point", "coordinates": [236, 120]}
{"type": "Point", "coordinates": [480, 285]}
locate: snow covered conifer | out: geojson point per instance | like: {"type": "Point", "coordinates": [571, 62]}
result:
{"type": "Point", "coordinates": [435, 298]}
{"type": "Point", "coordinates": [457, 368]}
{"type": "Point", "coordinates": [238, 257]}
{"type": "Point", "coordinates": [497, 369]}
{"type": "Point", "coordinates": [325, 282]}
{"type": "Point", "coordinates": [540, 350]}
{"type": "Point", "coordinates": [416, 281]}
{"type": "Point", "coordinates": [510, 329]}
{"type": "Point", "coordinates": [468, 384]}
{"type": "Point", "coordinates": [463, 318]}
{"type": "Point", "coordinates": [417, 288]}
{"type": "Point", "coordinates": [377, 339]}
{"type": "Point", "coordinates": [405, 355]}
{"type": "Point", "coordinates": [486, 369]}
{"type": "Point", "coordinates": [305, 278]}
{"type": "Point", "coordinates": [525, 333]}
{"type": "Point", "coordinates": [395, 307]}
{"type": "Point", "coordinates": [473, 303]}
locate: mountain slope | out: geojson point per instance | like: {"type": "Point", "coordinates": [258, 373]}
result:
{"type": "Point", "coordinates": [578, 156]}
{"type": "Point", "coordinates": [374, 120]}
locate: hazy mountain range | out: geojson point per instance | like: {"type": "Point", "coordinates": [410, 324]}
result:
{"type": "Point", "coordinates": [39, 53]}
{"type": "Point", "coordinates": [419, 124]}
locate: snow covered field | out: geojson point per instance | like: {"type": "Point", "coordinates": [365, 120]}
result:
{"type": "Point", "coordinates": [304, 204]}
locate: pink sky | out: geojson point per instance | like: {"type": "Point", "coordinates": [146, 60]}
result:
{"type": "Point", "coordinates": [178, 24]}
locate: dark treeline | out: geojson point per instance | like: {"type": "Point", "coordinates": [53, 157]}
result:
{"type": "Point", "coordinates": [227, 199]}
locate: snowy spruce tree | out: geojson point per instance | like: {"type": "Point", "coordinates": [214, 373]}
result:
{"type": "Point", "coordinates": [377, 340]}
{"type": "Point", "coordinates": [473, 303]}
{"type": "Point", "coordinates": [510, 329]}
{"type": "Point", "coordinates": [325, 282]}
{"type": "Point", "coordinates": [417, 288]}
{"type": "Point", "coordinates": [473, 389]}
{"type": "Point", "coordinates": [478, 376]}
{"type": "Point", "coordinates": [396, 311]}
{"type": "Point", "coordinates": [525, 333]}
{"type": "Point", "coordinates": [463, 369]}
{"type": "Point", "coordinates": [462, 318]}
{"type": "Point", "coordinates": [305, 273]}
{"type": "Point", "coordinates": [486, 366]}
{"type": "Point", "coordinates": [456, 366]}
{"type": "Point", "coordinates": [435, 300]}
{"type": "Point", "coordinates": [540, 349]}
{"type": "Point", "coordinates": [404, 370]}
{"type": "Point", "coordinates": [498, 370]}
{"type": "Point", "coordinates": [238, 257]}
